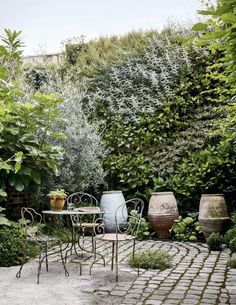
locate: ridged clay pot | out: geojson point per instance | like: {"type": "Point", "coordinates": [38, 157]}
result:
{"type": "Point", "coordinates": [162, 212]}
{"type": "Point", "coordinates": [213, 214]}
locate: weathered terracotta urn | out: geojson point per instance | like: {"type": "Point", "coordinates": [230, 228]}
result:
{"type": "Point", "coordinates": [213, 214]}
{"type": "Point", "coordinates": [162, 212]}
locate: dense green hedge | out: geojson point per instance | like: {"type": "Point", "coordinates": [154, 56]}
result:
{"type": "Point", "coordinates": [172, 138]}
{"type": "Point", "coordinates": [14, 250]}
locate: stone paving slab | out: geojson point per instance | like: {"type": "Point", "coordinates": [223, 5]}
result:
{"type": "Point", "coordinates": [197, 276]}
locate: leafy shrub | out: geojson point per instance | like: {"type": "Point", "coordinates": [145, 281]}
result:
{"type": "Point", "coordinates": [81, 167]}
{"type": "Point", "coordinates": [12, 247]}
{"type": "Point", "coordinates": [144, 227]}
{"type": "Point", "coordinates": [159, 114]}
{"type": "Point", "coordinates": [22, 146]}
{"type": "Point", "coordinates": [214, 241]}
{"type": "Point", "coordinates": [232, 263]}
{"type": "Point", "coordinates": [151, 259]}
{"type": "Point", "coordinates": [3, 218]}
{"type": "Point", "coordinates": [186, 229]}
{"type": "Point", "coordinates": [61, 232]}
{"type": "Point", "coordinates": [229, 235]}
{"type": "Point", "coordinates": [93, 56]}
{"type": "Point", "coordinates": [233, 218]}
{"type": "Point", "coordinates": [232, 245]}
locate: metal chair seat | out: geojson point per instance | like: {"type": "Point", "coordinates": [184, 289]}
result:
{"type": "Point", "coordinates": [114, 237]}
{"type": "Point", "coordinates": [85, 225]}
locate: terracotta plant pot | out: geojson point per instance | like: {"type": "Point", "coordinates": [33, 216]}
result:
{"type": "Point", "coordinates": [57, 203]}
{"type": "Point", "coordinates": [162, 212]}
{"type": "Point", "coordinates": [213, 215]}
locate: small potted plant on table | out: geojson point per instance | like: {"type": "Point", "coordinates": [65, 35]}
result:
{"type": "Point", "coordinates": [57, 199]}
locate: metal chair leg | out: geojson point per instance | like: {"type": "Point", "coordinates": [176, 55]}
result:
{"type": "Point", "coordinates": [116, 245]}
{"type": "Point", "coordinates": [112, 255]}
{"type": "Point", "coordinates": [39, 266]}
{"type": "Point", "coordinates": [46, 253]}
{"type": "Point", "coordinates": [94, 257]}
{"type": "Point", "coordinates": [18, 275]}
{"type": "Point", "coordinates": [134, 244]}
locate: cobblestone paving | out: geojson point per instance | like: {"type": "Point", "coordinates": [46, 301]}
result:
{"type": "Point", "coordinates": [197, 277]}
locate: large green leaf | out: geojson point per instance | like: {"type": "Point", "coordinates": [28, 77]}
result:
{"type": "Point", "coordinates": [2, 194]}
{"type": "Point", "coordinates": [58, 135]}
{"type": "Point", "coordinates": [3, 73]}
{"type": "Point", "coordinates": [36, 176]}
{"type": "Point", "coordinates": [4, 221]}
{"type": "Point", "coordinates": [228, 18]}
{"type": "Point", "coordinates": [19, 186]}
{"type": "Point", "coordinates": [200, 27]}
{"type": "Point", "coordinates": [17, 167]}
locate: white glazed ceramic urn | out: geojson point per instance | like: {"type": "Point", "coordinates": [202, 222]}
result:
{"type": "Point", "coordinates": [110, 202]}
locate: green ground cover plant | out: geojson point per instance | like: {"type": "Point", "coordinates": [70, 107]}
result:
{"type": "Point", "coordinates": [233, 218]}
{"type": "Point", "coordinates": [13, 248]}
{"type": "Point", "coordinates": [61, 232]}
{"type": "Point", "coordinates": [151, 259]}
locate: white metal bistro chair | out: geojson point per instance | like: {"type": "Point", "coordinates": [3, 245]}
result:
{"type": "Point", "coordinates": [127, 222]}
{"type": "Point", "coordinates": [85, 222]}
{"type": "Point", "coordinates": [30, 220]}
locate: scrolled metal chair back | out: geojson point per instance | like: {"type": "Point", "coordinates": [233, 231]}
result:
{"type": "Point", "coordinates": [29, 217]}
{"type": "Point", "coordinates": [81, 199]}
{"type": "Point", "coordinates": [128, 216]}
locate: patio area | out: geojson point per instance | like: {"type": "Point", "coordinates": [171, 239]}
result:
{"type": "Point", "coordinates": [196, 277]}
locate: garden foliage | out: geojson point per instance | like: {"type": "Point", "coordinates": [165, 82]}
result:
{"type": "Point", "coordinates": [151, 259]}
{"type": "Point", "coordinates": [186, 229]}
{"type": "Point", "coordinates": [14, 249]}
{"type": "Point", "coordinates": [26, 125]}
{"type": "Point", "coordinates": [139, 225]}
{"type": "Point", "coordinates": [150, 111]}
{"type": "Point", "coordinates": [161, 112]}
{"type": "Point", "coordinates": [214, 241]}
{"type": "Point", "coordinates": [81, 167]}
